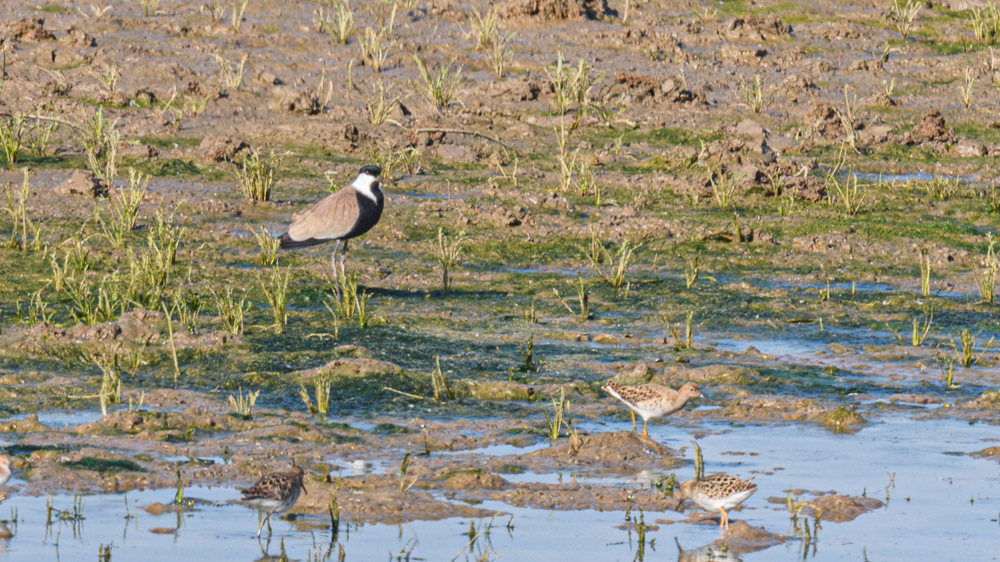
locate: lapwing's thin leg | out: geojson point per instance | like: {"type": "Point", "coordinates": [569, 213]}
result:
{"type": "Point", "coordinates": [333, 264]}
{"type": "Point", "coordinates": [343, 259]}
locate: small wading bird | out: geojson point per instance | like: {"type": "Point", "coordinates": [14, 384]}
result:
{"type": "Point", "coordinates": [276, 492]}
{"type": "Point", "coordinates": [343, 215]}
{"type": "Point", "coordinates": [717, 492]}
{"type": "Point", "coordinates": [652, 400]}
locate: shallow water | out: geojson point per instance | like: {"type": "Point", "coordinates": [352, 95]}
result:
{"type": "Point", "coordinates": [919, 467]}
{"type": "Point", "coordinates": [914, 176]}
{"type": "Point", "coordinates": [64, 418]}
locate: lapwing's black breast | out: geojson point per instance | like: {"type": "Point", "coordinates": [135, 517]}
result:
{"type": "Point", "coordinates": [369, 213]}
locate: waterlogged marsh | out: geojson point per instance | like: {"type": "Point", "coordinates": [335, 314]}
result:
{"type": "Point", "coordinates": [875, 461]}
{"type": "Point", "coordinates": [776, 201]}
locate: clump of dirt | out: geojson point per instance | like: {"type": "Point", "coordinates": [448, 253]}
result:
{"type": "Point", "coordinates": [609, 449]}
{"type": "Point", "coordinates": [989, 399]}
{"type": "Point", "coordinates": [839, 508]}
{"type": "Point", "coordinates": [159, 426]}
{"type": "Point", "coordinates": [714, 375]}
{"type": "Point", "coordinates": [475, 478]}
{"type": "Point", "coordinates": [992, 453]}
{"type": "Point", "coordinates": [757, 28]}
{"type": "Point", "coordinates": [824, 119]}
{"type": "Point", "coordinates": [137, 327]}
{"type": "Point", "coordinates": [675, 374]}
{"type": "Point", "coordinates": [843, 418]}
{"type": "Point", "coordinates": [378, 499]}
{"type": "Point", "coordinates": [495, 390]}
{"type": "Point", "coordinates": [219, 148]}
{"type": "Point", "coordinates": [931, 129]}
{"type": "Point", "coordinates": [353, 367]}
{"type": "Point", "coordinates": [30, 30]}
{"type": "Point", "coordinates": [573, 496]}
{"type": "Point", "coordinates": [553, 9]}
{"type": "Point", "coordinates": [82, 182]}
{"type": "Point", "coordinates": [747, 407]}
{"type": "Point", "coordinates": [742, 538]}
{"type": "Point", "coordinates": [644, 88]}
{"type": "Point", "coordinates": [25, 425]}
{"type": "Point", "coordinates": [92, 468]}
{"type": "Point", "coordinates": [634, 373]}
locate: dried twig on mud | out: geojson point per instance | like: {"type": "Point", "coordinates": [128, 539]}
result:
{"type": "Point", "coordinates": [490, 138]}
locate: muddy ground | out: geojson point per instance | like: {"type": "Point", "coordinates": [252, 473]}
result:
{"type": "Point", "coordinates": [718, 141]}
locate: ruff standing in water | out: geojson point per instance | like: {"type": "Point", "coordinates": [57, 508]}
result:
{"type": "Point", "coordinates": [652, 400]}
{"type": "Point", "coordinates": [718, 492]}
{"type": "Point", "coordinates": [346, 214]}
{"type": "Point", "coordinates": [274, 493]}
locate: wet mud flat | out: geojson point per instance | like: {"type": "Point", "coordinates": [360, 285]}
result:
{"type": "Point", "coordinates": [793, 206]}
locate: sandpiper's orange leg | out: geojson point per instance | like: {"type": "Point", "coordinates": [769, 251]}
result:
{"type": "Point", "coordinates": [644, 432]}
{"type": "Point", "coordinates": [724, 520]}
{"type": "Point", "coordinates": [634, 428]}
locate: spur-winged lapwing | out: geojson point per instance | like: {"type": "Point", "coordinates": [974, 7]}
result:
{"type": "Point", "coordinates": [343, 215]}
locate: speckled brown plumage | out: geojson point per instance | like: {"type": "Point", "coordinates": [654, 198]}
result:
{"type": "Point", "coordinates": [718, 492]}
{"type": "Point", "coordinates": [276, 492]}
{"type": "Point", "coordinates": [652, 400]}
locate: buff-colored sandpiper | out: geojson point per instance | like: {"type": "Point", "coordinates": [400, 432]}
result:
{"type": "Point", "coordinates": [652, 400]}
{"type": "Point", "coordinates": [717, 492]}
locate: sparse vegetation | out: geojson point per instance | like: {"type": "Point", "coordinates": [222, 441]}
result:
{"type": "Point", "coordinates": [99, 138]}
{"type": "Point", "coordinates": [321, 386]}
{"type": "Point", "coordinates": [338, 23]}
{"type": "Point", "coordinates": [242, 404]}
{"type": "Point", "coordinates": [439, 86]}
{"type": "Point", "coordinates": [12, 137]}
{"type": "Point", "coordinates": [230, 309]}
{"type": "Point", "coordinates": [985, 21]}
{"type": "Point", "coordinates": [375, 45]}
{"type": "Point", "coordinates": [17, 207]}
{"type": "Point", "coordinates": [268, 244]}
{"type": "Point", "coordinates": [379, 103]}
{"type": "Point", "coordinates": [755, 98]}
{"type": "Point", "coordinates": [902, 16]}
{"type": "Point", "coordinates": [986, 274]}
{"type": "Point", "coordinates": [275, 289]}
{"type": "Point", "coordinates": [610, 266]}
{"type": "Point", "coordinates": [447, 252]}
{"type": "Point", "coordinates": [123, 208]}
{"type": "Point", "coordinates": [257, 175]}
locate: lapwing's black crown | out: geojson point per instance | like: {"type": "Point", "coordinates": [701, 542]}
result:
{"type": "Point", "coordinates": [371, 170]}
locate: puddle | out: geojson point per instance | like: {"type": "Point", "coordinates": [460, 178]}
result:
{"type": "Point", "coordinates": [426, 195]}
{"type": "Point", "coordinates": [182, 460]}
{"type": "Point", "coordinates": [919, 469]}
{"type": "Point", "coordinates": [501, 450]}
{"type": "Point", "coordinates": [64, 418]}
{"type": "Point", "coordinates": [779, 348]}
{"type": "Point", "coordinates": [913, 176]}
{"type": "Point", "coordinates": [359, 467]}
